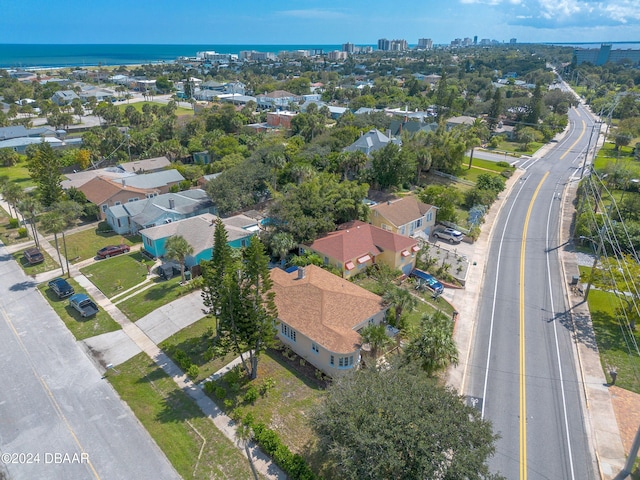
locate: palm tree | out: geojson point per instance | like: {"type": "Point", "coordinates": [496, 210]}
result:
{"type": "Point", "coordinates": [177, 248]}
{"type": "Point", "coordinates": [376, 336]}
{"type": "Point", "coordinates": [281, 243]}
{"type": "Point", "coordinates": [30, 206]}
{"type": "Point", "coordinates": [401, 300]}
{"type": "Point", "coordinates": [51, 222]}
{"type": "Point", "coordinates": [12, 193]}
{"type": "Point", "coordinates": [434, 346]}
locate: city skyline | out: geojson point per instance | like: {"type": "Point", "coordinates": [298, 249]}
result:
{"type": "Point", "coordinates": [305, 22]}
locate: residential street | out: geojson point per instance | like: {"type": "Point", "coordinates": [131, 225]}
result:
{"type": "Point", "coordinates": [54, 402]}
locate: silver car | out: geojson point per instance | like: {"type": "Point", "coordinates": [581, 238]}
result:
{"type": "Point", "coordinates": [449, 234]}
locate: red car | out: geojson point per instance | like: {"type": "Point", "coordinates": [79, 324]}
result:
{"type": "Point", "coordinates": [111, 250]}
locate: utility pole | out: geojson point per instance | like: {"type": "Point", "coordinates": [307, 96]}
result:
{"type": "Point", "coordinates": [586, 154]}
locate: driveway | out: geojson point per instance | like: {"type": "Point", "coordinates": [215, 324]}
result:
{"type": "Point", "coordinates": [116, 347]}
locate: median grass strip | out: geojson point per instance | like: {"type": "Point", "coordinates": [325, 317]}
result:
{"type": "Point", "coordinates": [191, 442]}
{"type": "Point", "coordinates": [47, 265]}
{"type": "Point", "coordinates": [81, 328]}
{"type": "Point", "coordinates": [117, 274]}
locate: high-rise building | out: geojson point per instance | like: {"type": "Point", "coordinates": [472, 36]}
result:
{"type": "Point", "coordinates": [425, 44]}
{"type": "Point", "coordinates": [348, 47]}
{"type": "Point", "coordinates": [384, 44]}
{"type": "Point", "coordinates": [513, 40]}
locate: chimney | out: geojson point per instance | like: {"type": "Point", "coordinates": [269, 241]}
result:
{"type": "Point", "coordinates": [301, 273]}
{"type": "Point", "coordinates": [124, 182]}
{"type": "Point", "coordinates": [172, 204]}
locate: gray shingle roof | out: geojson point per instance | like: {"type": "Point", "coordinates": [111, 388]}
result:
{"type": "Point", "coordinates": [152, 180]}
{"type": "Point", "coordinates": [146, 211]}
{"type": "Point", "coordinates": [198, 231]}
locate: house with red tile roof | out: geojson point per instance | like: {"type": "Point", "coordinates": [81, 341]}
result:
{"type": "Point", "coordinates": [357, 245]}
{"type": "Point", "coordinates": [406, 216]}
{"type": "Point", "coordinates": [321, 314]}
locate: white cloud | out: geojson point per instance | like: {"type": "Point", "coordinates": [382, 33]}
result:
{"type": "Point", "coordinates": [563, 13]}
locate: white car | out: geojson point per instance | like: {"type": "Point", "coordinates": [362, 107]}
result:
{"type": "Point", "coordinates": [449, 234]}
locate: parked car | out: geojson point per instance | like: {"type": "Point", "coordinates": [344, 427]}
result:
{"type": "Point", "coordinates": [83, 304]}
{"type": "Point", "coordinates": [449, 234]}
{"type": "Point", "coordinates": [61, 287]}
{"type": "Point", "coordinates": [111, 250]}
{"type": "Point", "coordinates": [33, 256]}
{"type": "Point", "coordinates": [428, 281]}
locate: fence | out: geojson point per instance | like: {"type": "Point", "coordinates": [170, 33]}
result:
{"type": "Point", "coordinates": [452, 177]}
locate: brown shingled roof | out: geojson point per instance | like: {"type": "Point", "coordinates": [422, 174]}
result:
{"type": "Point", "coordinates": [402, 211]}
{"type": "Point", "coordinates": [100, 189]}
{"type": "Point", "coordinates": [355, 239]}
{"type": "Point", "coordinates": [324, 307]}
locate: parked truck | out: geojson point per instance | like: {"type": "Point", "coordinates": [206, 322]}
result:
{"type": "Point", "coordinates": [83, 304]}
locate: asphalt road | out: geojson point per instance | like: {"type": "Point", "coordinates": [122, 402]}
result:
{"type": "Point", "coordinates": [523, 371]}
{"type": "Point", "coordinates": [58, 418]}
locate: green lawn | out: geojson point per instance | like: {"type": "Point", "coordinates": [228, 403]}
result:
{"type": "Point", "coordinates": [285, 407]}
{"type": "Point", "coordinates": [197, 342]}
{"type": "Point", "coordinates": [163, 292]}
{"type": "Point", "coordinates": [85, 244]}
{"type": "Point", "coordinates": [515, 149]}
{"type": "Point", "coordinates": [117, 274]}
{"type": "Point", "coordinates": [180, 111]}
{"type": "Point", "coordinates": [81, 328]}
{"type": "Point", "coordinates": [8, 234]}
{"type": "Point", "coordinates": [17, 174]}
{"type": "Point", "coordinates": [176, 423]}
{"type": "Point", "coordinates": [616, 349]}
{"type": "Point", "coordinates": [47, 265]}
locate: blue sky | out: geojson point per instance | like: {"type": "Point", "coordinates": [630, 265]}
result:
{"type": "Point", "coordinates": [314, 22]}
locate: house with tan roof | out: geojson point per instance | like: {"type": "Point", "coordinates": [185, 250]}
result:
{"type": "Point", "coordinates": [147, 165]}
{"type": "Point", "coordinates": [105, 192]}
{"type": "Point", "coordinates": [357, 245]}
{"type": "Point", "coordinates": [406, 216]}
{"type": "Point", "coordinates": [198, 232]}
{"type": "Point", "coordinates": [321, 314]}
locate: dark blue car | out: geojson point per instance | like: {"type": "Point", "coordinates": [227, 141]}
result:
{"type": "Point", "coordinates": [61, 287]}
{"type": "Point", "coordinates": [428, 280]}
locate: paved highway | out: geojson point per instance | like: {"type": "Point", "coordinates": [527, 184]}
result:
{"type": "Point", "coordinates": [58, 418]}
{"type": "Point", "coordinates": [523, 370]}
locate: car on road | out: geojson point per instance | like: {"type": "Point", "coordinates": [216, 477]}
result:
{"type": "Point", "coordinates": [449, 234]}
{"type": "Point", "coordinates": [61, 287]}
{"type": "Point", "coordinates": [111, 250]}
{"type": "Point", "coordinates": [425, 280]}
{"type": "Point", "coordinates": [83, 304]}
{"type": "Point", "coordinates": [33, 256]}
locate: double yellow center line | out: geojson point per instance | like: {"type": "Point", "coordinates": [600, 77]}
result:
{"type": "Point", "coordinates": [523, 383]}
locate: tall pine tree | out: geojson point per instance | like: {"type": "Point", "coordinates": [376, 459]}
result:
{"type": "Point", "coordinates": [238, 290]}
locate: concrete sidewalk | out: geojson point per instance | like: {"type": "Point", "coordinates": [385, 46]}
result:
{"type": "Point", "coordinates": [132, 340]}
{"type": "Point", "coordinates": [601, 424]}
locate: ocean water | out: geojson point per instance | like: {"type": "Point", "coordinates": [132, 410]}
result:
{"type": "Point", "coordinates": [46, 56]}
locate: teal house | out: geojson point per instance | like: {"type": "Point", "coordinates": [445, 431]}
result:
{"type": "Point", "coordinates": [198, 232]}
